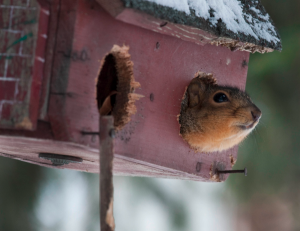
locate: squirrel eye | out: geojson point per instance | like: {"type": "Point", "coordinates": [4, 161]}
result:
{"type": "Point", "coordinates": [220, 98]}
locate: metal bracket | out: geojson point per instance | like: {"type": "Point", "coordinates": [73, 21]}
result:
{"type": "Point", "coordinates": [59, 160]}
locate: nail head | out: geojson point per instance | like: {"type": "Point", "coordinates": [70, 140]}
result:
{"type": "Point", "coordinates": [151, 97]}
{"type": "Point", "coordinates": [198, 167]}
{"type": "Point", "coordinates": [157, 45]}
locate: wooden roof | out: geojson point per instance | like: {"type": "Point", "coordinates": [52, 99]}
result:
{"type": "Point", "coordinates": [238, 25]}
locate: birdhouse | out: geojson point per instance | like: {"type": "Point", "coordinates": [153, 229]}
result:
{"type": "Point", "coordinates": [64, 62]}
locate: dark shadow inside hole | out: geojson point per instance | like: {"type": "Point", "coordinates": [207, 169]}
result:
{"type": "Point", "coordinates": [107, 85]}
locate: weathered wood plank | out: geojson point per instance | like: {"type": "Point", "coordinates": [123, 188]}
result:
{"type": "Point", "coordinates": [52, 10]}
{"type": "Point", "coordinates": [61, 67]}
{"type": "Point", "coordinates": [22, 49]}
{"type": "Point", "coordinates": [28, 149]}
{"type": "Point", "coordinates": [37, 85]}
{"type": "Point", "coordinates": [185, 32]}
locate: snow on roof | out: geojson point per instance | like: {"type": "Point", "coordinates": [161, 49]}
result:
{"type": "Point", "coordinates": [246, 21]}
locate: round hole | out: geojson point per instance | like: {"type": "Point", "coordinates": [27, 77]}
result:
{"type": "Point", "coordinates": [116, 86]}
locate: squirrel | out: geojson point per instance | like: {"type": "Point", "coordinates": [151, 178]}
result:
{"type": "Point", "coordinates": [215, 118]}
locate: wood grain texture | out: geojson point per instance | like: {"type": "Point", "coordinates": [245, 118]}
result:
{"type": "Point", "coordinates": [106, 150]}
{"type": "Point", "coordinates": [28, 149]}
{"type": "Point", "coordinates": [52, 8]}
{"type": "Point", "coordinates": [37, 85]}
{"type": "Point", "coordinates": [21, 63]}
{"type": "Point", "coordinates": [64, 55]}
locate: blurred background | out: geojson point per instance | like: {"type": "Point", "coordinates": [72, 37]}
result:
{"type": "Point", "coordinates": [37, 198]}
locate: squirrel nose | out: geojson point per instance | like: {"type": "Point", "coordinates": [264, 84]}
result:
{"type": "Point", "coordinates": [256, 114]}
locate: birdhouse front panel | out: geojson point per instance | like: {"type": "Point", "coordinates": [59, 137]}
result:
{"type": "Point", "coordinates": [164, 66]}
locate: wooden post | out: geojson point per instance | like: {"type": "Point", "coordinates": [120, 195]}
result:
{"type": "Point", "coordinates": [106, 182]}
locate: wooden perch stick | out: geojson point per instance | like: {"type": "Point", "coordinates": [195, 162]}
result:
{"type": "Point", "coordinates": [106, 182]}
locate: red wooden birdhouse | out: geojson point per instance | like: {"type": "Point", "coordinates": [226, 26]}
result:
{"type": "Point", "coordinates": [60, 60]}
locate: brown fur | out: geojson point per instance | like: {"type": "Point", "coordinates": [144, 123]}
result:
{"type": "Point", "coordinates": [209, 126]}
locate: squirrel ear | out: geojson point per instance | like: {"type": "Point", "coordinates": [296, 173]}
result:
{"type": "Point", "coordinates": [198, 86]}
{"type": "Point", "coordinates": [194, 94]}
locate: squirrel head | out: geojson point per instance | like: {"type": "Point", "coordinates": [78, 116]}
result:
{"type": "Point", "coordinates": [216, 118]}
